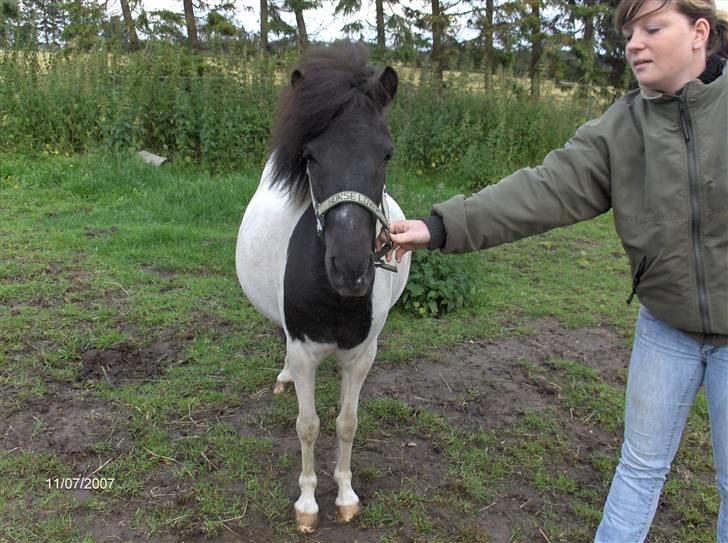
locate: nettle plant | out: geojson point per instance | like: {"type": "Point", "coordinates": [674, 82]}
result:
{"type": "Point", "coordinates": [437, 284]}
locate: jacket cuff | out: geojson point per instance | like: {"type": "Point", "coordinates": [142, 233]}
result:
{"type": "Point", "coordinates": [438, 236]}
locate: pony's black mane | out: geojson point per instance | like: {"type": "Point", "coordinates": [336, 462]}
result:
{"type": "Point", "coordinates": [332, 80]}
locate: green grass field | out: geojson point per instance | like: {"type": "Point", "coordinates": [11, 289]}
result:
{"type": "Point", "coordinates": [128, 351]}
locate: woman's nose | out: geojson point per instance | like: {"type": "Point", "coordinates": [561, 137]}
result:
{"type": "Point", "coordinates": [635, 42]}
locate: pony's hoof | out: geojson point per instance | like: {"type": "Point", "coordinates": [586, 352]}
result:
{"type": "Point", "coordinates": [280, 387]}
{"type": "Point", "coordinates": [307, 522]}
{"type": "Point", "coordinates": [347, 513]}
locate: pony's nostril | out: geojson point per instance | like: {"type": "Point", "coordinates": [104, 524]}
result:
{"type": "Point", "coordinates": [354, 276]}
{"type": "Point", "coordinates": [367, 263]}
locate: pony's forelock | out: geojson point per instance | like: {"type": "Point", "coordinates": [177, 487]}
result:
{"type": "Point", "coordinates": [328, 82]}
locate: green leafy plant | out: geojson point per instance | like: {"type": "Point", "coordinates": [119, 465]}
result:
{"type": "Point", "coordinates": [437, 284]}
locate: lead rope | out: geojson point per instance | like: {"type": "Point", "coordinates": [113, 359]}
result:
{"type": "Point", "coordinates": [388, 244]}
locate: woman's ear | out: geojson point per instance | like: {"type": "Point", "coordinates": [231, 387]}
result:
{"type": "Point", "coordinates": [702, 33]}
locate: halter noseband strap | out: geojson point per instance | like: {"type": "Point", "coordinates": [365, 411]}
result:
{"type": "Point", "coordinates": [353, 197]}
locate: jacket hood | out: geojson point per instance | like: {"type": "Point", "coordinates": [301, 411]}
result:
{"type": "Point", "coordinates": [713, 70]}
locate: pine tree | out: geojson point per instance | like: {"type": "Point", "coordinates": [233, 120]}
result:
{"type": "Point", "coordinates": [9, 16]}
{"type": "Point", "coordinates": [129, 25]}
{"type": "Point", "coordinates": [264, 25]}
{"type": "Point", "coordinates": [191, 24]}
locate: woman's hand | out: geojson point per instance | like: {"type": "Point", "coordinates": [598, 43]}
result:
{"type": "Point", "coordinates": [407, 236]}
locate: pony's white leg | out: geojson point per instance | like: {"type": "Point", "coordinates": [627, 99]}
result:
{"type": "Point", "coordinates": [283, 380]}
{"type": "Point", "coordinates": [354, 371]}
{"type": "Point", "coordinates": [302, 366]}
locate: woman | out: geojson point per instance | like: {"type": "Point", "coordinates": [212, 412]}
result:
{"type": "Point", "coordinates": [659, 158]}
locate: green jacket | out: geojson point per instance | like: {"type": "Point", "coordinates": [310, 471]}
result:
{"type": "Point", "coordinates": [661, 164]}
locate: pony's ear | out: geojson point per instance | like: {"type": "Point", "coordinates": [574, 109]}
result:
{"type": "Point", "coordinates": [389, 80]}
{"type": "Point", "coordinates": [296, 76]}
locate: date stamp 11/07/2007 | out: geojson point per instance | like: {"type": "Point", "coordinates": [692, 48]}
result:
{"type": "Point", "coordinates": [80, 483]}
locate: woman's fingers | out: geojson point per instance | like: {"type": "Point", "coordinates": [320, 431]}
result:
{"type": "Point", "coordinates": [408, 236]}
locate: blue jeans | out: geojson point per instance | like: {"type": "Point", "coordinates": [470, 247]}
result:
{"type": "Point", "coordinates": [665, 373]}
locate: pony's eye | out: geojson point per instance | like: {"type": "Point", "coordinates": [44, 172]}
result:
{"type": "Point", "coordinates": [307, 155]}
{"type": "Point", "coordinates": [389, 154]}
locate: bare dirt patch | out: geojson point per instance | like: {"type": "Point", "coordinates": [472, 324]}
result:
{"type": "Point", "coordinates": [480, 383]}
{"type": "Point", "coordinates": [125, 363]}
{"type": "Point", "coordinates": [100, 232]}
{"type": "Point", "coordinates": [67, 423]}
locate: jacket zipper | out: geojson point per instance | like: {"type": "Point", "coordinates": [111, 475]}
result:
{"type": "Point", "coordinates": [695, 219]}
{"type": "Point", "coordinates": [636, 278]}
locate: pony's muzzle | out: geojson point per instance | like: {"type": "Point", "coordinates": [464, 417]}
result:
{"type": "Point", "coordinates": [351, 277]}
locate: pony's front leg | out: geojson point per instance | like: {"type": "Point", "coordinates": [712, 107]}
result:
{"type": "Point", "coordinates": [303, 369]}
{"type": "Point", "coordinates": [354, 371]}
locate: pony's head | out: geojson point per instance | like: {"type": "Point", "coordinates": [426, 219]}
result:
{"type": "Point", "coordinates": [331, 139]}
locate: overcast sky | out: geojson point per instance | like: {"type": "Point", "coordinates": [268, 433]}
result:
{"type": "Point", "coordinates": [321, 23]}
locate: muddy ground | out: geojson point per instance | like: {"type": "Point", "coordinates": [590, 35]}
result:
{"type": "Point", "coordinates": [73, 419]}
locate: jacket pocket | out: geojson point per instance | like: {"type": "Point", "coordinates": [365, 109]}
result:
{"type": "Point", "coordinates": [637, 277]}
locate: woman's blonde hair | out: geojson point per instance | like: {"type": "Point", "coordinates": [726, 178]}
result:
{"type": "Point", "coordinates": [693, 10]}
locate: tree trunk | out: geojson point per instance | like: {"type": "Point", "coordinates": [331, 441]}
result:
{"type": "Point", "coordinates": [588, 50]}
{"type": "Point", "coordinates": [437, 29]}
{"type": "Point", "coordinates": [381, 43]}
{"type": "Point", "coordinates": [264, 25]}
{"type": "Point", "coordinates": [191, 26]}
{"type": "Point", "coordinates": [536, 49]}
{"type": "Point", "coordinates": [589, 22]}
{"type": "Point", "coordinates": [302, 36]}
{"type": "Point", "coordinates": [489, 58]}
{"type": "Point", "coordinates": [129, 23]}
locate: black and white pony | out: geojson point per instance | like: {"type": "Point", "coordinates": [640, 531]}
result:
{"type": "Point", "coordinates": [306, 247]}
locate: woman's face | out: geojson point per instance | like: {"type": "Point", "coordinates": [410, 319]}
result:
{"type": "Point", "coordinates": [664, 48]}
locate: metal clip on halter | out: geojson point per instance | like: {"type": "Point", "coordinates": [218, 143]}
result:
{"type": "Point", "coordinates": [387, 246]}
